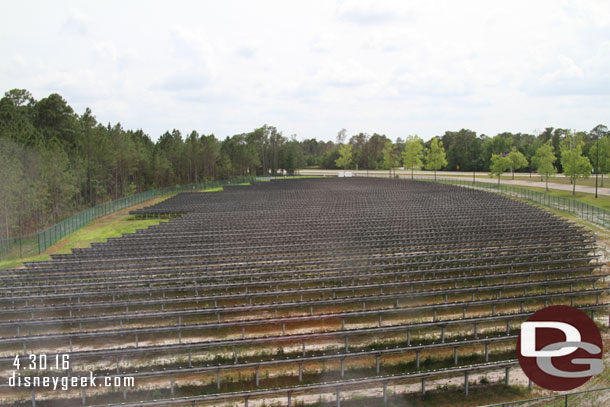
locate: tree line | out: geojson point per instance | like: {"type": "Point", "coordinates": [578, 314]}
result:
{"type": "Point", "coordinates": [464, 151]}
{"type": "Point", "coordinates": [575, 154]}
{"type": "Point", "coordinates": [55, 162]}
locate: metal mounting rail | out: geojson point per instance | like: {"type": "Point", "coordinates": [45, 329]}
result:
{"type": "Point", "coordinates": [280, 305]}
{"type": "Point", "coordinates": [154, 261]}
{"type": "Point", "coordinates": [321, 386]}
{"type": "Point", "coordinates": [132, 286]}
{"type": "Point", "coordinates": [229, 272]}
{"type": "Point", "coordinates": [282, 320]}
{"type": "Point", "coordinates": [296, 360]}
{"type": "Point", "coordinates": [297, 251]}
{"type": "Point", "coordinates": [375, 242]}
{"type": "Point", "coordinates": [248, 295]}
{"type": "Point", "coordinates": [302, 336]}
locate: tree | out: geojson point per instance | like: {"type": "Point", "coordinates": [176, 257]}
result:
{"type": "Point", "coordinates": [123, 159]}
{"type": "Point", "coordinates": [85, 144]}
{"type": "Point", "coordinates": [289, 160]}
{"type": "Point", "coordinates": [12, 181]}
{"type": "Point", "coordinates": [193, 156]}
{"type": "Point", "coordinates": [556, 138]}
{"type": "Point", "coordinates": [19, 97]}
{"type": "Point", "coordinates": [360, 150]}
{"type": "Point", "coordinates": [517, 160]}
{"type": "Point", "coordinates": [574, 164]}
{"type": "Point", "coordinates": [56, 120]}
{"type": "Point", "coordinates": [276, 141]}
{"type": "Point", "coordinates": [243, 156]}
{"type": "Point", "coordinates": [211, 151]}
{"type": "Point", "coordinates": [435, 156]}
{"type": "Point", "coordinates": [543, 161]}
{"type": "Point", "coordinates": [462, 149]}
{"type": "Point", "coordinates": [345, 156]}
{"type": "Point", "coordinates": [314, 150]}
{"type": "Point", "coordinates": [292, 155]}
{"type": "Point", "coordinates": [499, 164]}
{"type": "Point", "coordinates": [341, 136]}
{"type": "Point", "coordinates": [527, 145]}
{"type": "Point", "coordinates": [59, 180]}
{"type": "Point", "coordinates": [603, 167]}
{"type": "Point", "coordinates": [374, 150]}
{"type": "Point", "coordinates": [391, 156]}
{"type": "Point", "coordinates": [413, 154]}
{"type": "Point", "coordinates": [601, 140]}
{"type": "Point", "coordinates": [16, 118]}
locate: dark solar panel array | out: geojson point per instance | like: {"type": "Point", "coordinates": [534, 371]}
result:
{"type": "Point", "coordinates": [324, 269]}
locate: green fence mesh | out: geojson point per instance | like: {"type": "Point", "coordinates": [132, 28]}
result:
{"type": "Point", "coordinates": [30, 245]}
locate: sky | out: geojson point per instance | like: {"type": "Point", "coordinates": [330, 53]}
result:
{"type": "Point", "coordinates": [311, 68]}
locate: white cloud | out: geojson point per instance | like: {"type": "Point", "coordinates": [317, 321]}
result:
{"type": "Point", "coordinates": [312, 68]}
{"type": "Point", "coordinates": [246, 51]}
{"type": "Point", "coordinates": [370, 12]}
{"type": "Point", "coordinates": [104, 51]}
{"type": "Point", "coordinates": [566, 70]}
{"type": "Point", "coordinates": [190, 45]}
{"type": "Point", "coordinates": [303, 91]}
{"type": "Point", "coordinates": [565, 75]}
{"type": "Point", "coordinates": [82, 87]}
{"type": "Point", "coordinates": [342, 74]}
{"type": "Point", "coordinates": [183, 81]}
{"type": "Point", "coordinates": [77, 23]}
{"type": "Point", "coordinates": [16, 66]}
{"type": "Point", "coordinates": [433, 82]}
{"type": "Point", "coordinates": [188, 69]}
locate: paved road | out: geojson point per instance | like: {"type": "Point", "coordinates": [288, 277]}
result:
{"type": "Point", "coordinates": [480, 176]}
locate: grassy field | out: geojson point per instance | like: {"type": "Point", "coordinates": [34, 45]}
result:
{"type": "Point", "coordinates": [299, 176]}
{"type": "Point", "coordinates": [113, 225]}
{"type": "Point", "coordinates": [602, 201]}
{"type": "Point", "coordinates": [218, 189]}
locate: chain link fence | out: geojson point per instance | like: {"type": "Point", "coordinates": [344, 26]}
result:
{"type": "Point", "coordinates": [31, 245]}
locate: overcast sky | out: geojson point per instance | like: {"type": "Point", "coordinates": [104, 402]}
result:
{"type": "Point", "coordinates": [311, 68]}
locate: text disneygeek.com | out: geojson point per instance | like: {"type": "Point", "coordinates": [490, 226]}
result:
{"type": "Point", "coordinates": [31, 364]}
